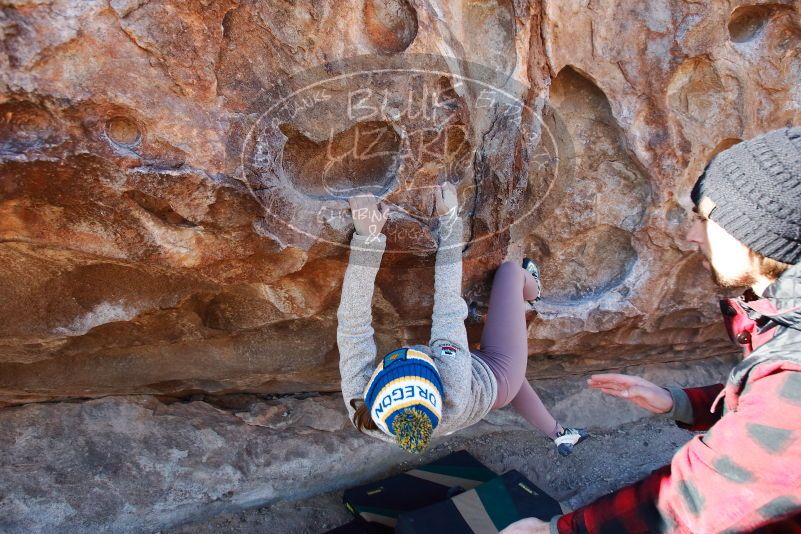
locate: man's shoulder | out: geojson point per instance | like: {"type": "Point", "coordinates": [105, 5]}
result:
{"type": "Point", "coordinates": [781, 354]}
{"type": "Point", "coordinates": [778, 380]}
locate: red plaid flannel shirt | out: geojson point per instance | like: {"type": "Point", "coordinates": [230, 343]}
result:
{"type": "Point", "coordinates": [742, 475]}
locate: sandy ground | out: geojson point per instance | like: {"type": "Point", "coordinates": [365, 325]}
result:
{"type": "Point", "coordinates": [607, 461]}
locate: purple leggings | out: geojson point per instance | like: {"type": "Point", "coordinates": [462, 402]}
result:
{"type": "Point", "coordinates": [504, 346]}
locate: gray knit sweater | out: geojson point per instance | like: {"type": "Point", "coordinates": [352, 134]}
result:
{"type": "Point", "coordinates": [469, 385]}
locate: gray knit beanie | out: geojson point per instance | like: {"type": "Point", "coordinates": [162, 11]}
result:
{"type": "Point", "coordinates": [756, 186]}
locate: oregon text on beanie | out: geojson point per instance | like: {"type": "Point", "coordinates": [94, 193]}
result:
{"type": "Point", "coordinates": [405, 378]}
{"type": "Point", "coordinates": [756, 188]}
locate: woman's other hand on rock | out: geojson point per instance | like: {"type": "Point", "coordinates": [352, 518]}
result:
{"type": "Point", "coordinates": [368, 216]}
{"type": "Point", "coordinates": [446, 200]}
{"type": "Point", "coordinates": [638, 390]}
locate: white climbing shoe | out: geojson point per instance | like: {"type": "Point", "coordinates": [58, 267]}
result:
{"type": "Point", "coordinates": [569, 438]}
{"type": "Point", "coordinates": [530, 266]}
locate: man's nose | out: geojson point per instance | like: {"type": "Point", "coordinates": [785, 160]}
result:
{"type": "Point", "coordinates": [694, 234]}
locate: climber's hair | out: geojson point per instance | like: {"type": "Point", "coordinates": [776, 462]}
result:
{"type": "Point", "coordinates": [362, 419]}
{"type": "Point", "coordinates": [769, 267]}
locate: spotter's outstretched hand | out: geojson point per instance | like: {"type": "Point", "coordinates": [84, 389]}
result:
{"type": "Point", "coordinates": [638, 390]}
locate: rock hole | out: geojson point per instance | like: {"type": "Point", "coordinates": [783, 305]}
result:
{"type": "Point", "coordinates": [697, 94]}
{"type": "Point", "coordinates": [590, 205]}
{"type": "Point", "coordinates": [123, 132]}
{"type": "Point", "coordinates": [391, 25]}
{"type": "Point", "coordinates": [361, 159]}
{"type": "Point", "coordinates": [605, 184]}
{"type": "Point", "coordinates": [572, 88]}
{"type": "Point", "coordinates": [747, 22]}
{"type": "Point", "coordinates": [239, 307]}
{"type": "Point", "coordinates": [588, 265]}
{"type": "Point", "coordinates": [24, 125]}
{"type": "Point", "coordinates": [159, 208]}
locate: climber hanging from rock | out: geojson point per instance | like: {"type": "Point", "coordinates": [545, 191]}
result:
{"type": "Point", "coordinates": [421, 391]}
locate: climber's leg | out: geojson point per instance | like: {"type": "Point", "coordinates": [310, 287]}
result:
{"type": "Point", "coordinates": [504, 345]}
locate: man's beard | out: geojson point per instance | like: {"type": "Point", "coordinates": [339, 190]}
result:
{"type": "Point", "coordinates": [745, 280]}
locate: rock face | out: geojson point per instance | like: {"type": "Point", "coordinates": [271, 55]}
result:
{"type": "Point", "coordinates": [139, 465]}
{"type": "Point", "coordinates": [174, 175]}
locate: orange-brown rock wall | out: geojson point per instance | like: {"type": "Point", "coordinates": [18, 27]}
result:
{"type": "Point", "coordinates": [174, 175]}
